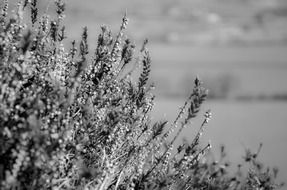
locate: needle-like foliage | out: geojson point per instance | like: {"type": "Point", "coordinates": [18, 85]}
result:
{"type": "Point", "coordinates": [73, 120]}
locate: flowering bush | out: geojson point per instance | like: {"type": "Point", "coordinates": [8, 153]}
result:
{"type": "Point", "coordinates": [73, 121]}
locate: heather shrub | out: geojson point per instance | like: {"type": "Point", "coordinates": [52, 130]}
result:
{"type": "Point", "coordinates": [76, 119]}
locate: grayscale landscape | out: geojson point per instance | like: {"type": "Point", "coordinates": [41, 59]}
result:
{"type": "Point", "coordinates": [238, 48]}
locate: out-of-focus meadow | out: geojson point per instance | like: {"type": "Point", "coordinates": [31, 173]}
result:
{"type": "Point", "coordinates": [237, 47]}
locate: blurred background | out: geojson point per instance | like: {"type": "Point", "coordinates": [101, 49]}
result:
{"type": "Point", "coordinates": [238, 48]}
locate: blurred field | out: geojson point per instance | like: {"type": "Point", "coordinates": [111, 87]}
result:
{"type": "Point", "coordinates": [237, 47]}
{"type": "Point", "coordinates": [238, 125]}
{"type": "Point", "coordinates": [236, 71]}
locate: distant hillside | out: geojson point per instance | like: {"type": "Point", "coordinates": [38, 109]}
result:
{"type": "Point", "coordinates": [195, 22]}
{"type": "Point", "coordinates": [185, 22]}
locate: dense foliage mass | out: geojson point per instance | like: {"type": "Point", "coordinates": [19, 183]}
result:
{"type": "Point", "coordinates": [69, 120]}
